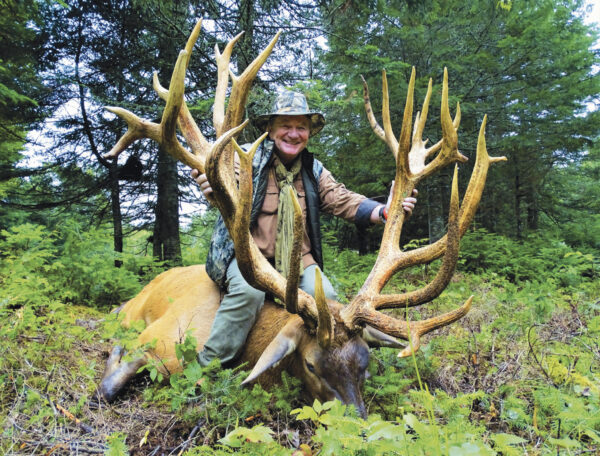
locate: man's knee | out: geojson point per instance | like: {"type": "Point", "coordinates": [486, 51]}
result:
{"type": "Point", "coordinates": [307, 283]}
{"type": "Point", "coordinates": [240, 291]}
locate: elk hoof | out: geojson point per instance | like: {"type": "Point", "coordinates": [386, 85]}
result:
{"type": "Point", "coordinates": [112, 364]}
{"type": "Point", "coordinates": [117, 373]}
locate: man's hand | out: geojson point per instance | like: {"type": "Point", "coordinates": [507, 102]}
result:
{"type": "Point", "coordinates": [408, 204]}
{"type": "Point", "coordinates": [202, 181]}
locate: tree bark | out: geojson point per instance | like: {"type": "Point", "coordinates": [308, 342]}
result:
{"type": "Point", "coordinates": [435, 207]}
{"type": "Point", "coordinates": [532, 209]}
{"type": "Point", "coordinates": [166, 242]}
{"type": "Point", "coordinates": [518, 197]}
{"type": "Point", "coordinates": [246, 50]}
{"type": "Point", "coordinates": [115, 204]}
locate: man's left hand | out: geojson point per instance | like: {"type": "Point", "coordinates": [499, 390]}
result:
{"type": "Point", "coordinates": [409, 202]}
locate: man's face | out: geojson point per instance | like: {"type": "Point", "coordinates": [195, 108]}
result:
{"type": "Point", "coordinates": [290, 134]}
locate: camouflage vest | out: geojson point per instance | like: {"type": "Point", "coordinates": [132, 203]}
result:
{"type": "Point", "coordinates": [221, 250]}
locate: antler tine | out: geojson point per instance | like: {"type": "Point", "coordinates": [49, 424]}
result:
{"type": "Point", "coordinates": [421, 118]}
{"type": "Point", "coordinates": [420, 328]}
{"type": "Point", "coordinates": [438, 145]}
{"type": "Point", "coordinates": [390, 138]}
{"type": "Point", "coordinates": [372, 120]}
{"type": "Point", "coordinates": [293, 279]}
{"type": "Point", "coordinates": [326, 324]}
{"type": "Point", "coordinates": [137, 128]}
{"type": "Point", "coordinates": [418, 153]}
{"type": "Point", "coordinates": [241, 85]}
{"type": "Point", "coordinates": [192, 134]}
{"type": "Point", "coordinates": [222, 82]}
{"type": "Point", "coordinates": [227, 196]}
{"type": "Point", "coordinates": [386, 133]}
{"type": "Point", "coordinates": [403, 171]}
{"type": "Point", "coordinates": [163, 133]}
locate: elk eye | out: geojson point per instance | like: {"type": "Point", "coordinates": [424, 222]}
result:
{"type": "Point", "coordinates": [310, 367]}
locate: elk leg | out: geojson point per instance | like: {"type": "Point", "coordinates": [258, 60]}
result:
{"type": "Point", "coordinates": [117, 373]}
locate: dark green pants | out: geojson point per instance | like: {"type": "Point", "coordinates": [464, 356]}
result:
{"type": "Point", "coordinates": [238, 311]}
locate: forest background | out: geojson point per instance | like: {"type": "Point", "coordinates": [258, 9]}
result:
{"type": "Point", "coordinates": [80, 234]}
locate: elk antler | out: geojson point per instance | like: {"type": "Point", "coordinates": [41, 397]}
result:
{"type": "Point", "coordinates": [232, 196]}
{"type": "Point", "coordinates": [411, 167]}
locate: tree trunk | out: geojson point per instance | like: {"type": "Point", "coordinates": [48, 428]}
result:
{"type": "Point", "coordinates": [166, 244]}
{"type": "Point", "coordinates": [435, 208]}
{"type": "Point", "coordinates": [518, 197]}
{"type": "Point", "coordinates": [532, 209]}
{"type": "Point", "coordinates": [245, 48]}
{"type": "Point", "coordinates": [115, 203]}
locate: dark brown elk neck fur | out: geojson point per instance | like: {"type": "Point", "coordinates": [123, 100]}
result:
{"type": "Point", "coordinates": [273, 318]}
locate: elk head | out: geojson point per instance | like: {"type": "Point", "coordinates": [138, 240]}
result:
{"type": "Point", "coordinates": [326, 341]}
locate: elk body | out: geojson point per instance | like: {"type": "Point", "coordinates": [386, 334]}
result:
{"type": "Point", "coordinates": [323, 343]}
{"type": "Point", "coordinates": [183, 299]}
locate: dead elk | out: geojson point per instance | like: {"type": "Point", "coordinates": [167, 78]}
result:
{"type": "Point", "coordinates": [323, 343]}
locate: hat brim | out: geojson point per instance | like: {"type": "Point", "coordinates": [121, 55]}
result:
{"type": "Point", "coordinates": [317, 120]}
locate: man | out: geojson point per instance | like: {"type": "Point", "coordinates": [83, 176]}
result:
{"type": "Point", "coordinates": [281, 161]}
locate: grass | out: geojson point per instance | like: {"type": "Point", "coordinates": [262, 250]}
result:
{"type": "Point", "coordinates": [518, 375]}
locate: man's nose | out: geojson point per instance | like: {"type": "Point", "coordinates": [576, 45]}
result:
{"type": "Point", "coordinates": [293, 132]}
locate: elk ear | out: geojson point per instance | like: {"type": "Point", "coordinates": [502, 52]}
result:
{"type": "Point", "coordinates": [375, 338]}
{"type": "Point", "coordinates": [283, 345]}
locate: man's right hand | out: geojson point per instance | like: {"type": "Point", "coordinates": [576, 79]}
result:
{"type": "Point", "coordinates": [202, 181]}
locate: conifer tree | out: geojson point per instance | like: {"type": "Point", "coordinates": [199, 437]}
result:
{"type": "Point", "coordinates": [527, 65]}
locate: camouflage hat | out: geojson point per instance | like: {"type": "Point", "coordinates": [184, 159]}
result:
{"type": "Point", "coordinates": [292, 104]}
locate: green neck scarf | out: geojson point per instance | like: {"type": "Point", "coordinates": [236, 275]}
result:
{"type": "Point", "coordinates": [285, 215]}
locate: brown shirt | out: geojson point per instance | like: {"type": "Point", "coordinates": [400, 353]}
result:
{"type": "Point", "coordinates": [335, 198]}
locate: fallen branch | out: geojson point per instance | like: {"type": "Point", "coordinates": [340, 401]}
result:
{"type": "Point", "coordinates": [73, 418]}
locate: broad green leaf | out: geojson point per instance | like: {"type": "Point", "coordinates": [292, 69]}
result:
{"type": "Point", "coordinates": [507, 439]}
{"type": "Point", "coordinates": [564, 442]}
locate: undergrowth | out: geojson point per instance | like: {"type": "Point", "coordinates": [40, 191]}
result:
{"type": "Point", "coordinates": [518, 375]}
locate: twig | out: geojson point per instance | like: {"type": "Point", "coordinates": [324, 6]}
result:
{"type": "Point", "coordinates": [532, 351]}
{"type": "Point", "coordinates": [49, 379]}
{"type": "Point", "coordinates": [73, 418]}
{"type": "Point", "coordinates": [558, 437]}
{"type": "Point", "coordinates": [185, 444]}
{"type": "Point", "coordinates": [61, 446]}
